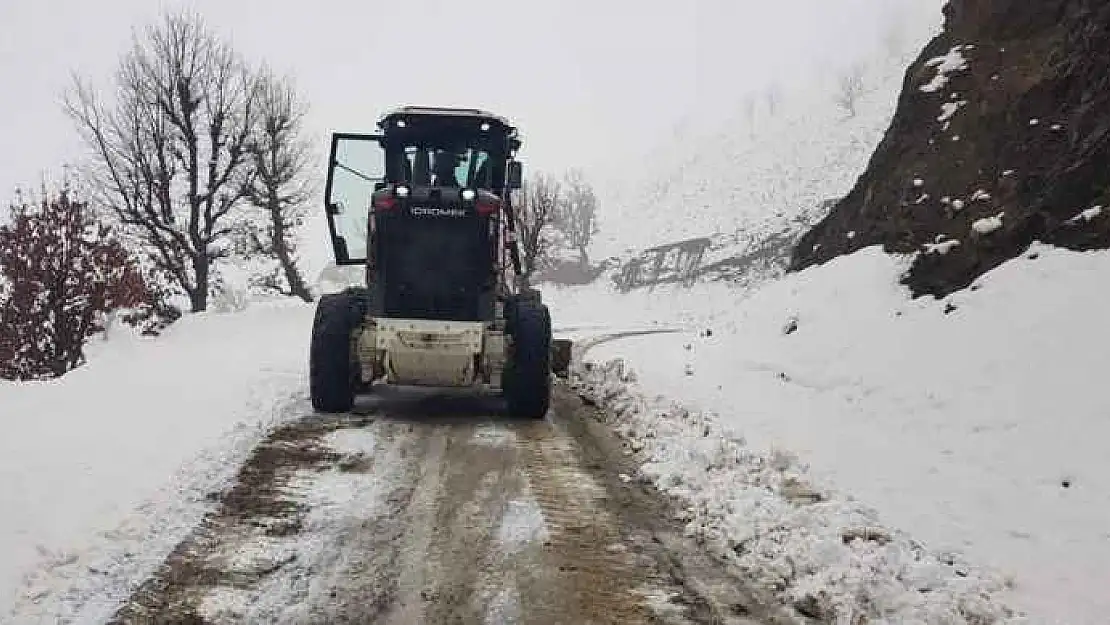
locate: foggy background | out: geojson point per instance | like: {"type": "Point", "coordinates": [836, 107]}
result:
{"type": "Point", "coordinates": [592, 84]}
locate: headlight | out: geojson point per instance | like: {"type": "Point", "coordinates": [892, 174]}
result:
{"type": "Point", "coordinates": [402, 191]}
{"type": "Point", "coordinates": [468, 195]}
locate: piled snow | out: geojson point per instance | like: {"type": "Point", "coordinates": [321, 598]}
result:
{"type": "Point", "coordinates": [976, 425]}
{"type": "Point", "coordinates": [824, 554]}
{"type": "Point", "coordinates": [108, 468]}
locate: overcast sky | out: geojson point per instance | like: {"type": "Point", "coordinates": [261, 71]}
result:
{"type": "Point", "coordinates": [589, 81]}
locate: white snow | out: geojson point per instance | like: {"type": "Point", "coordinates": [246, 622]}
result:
{"type": "Point", "coordinates": [521, 524]}
{"type": "Point", "coordinates": [948, 110]}
{"type": "Point", "coordinates": [107, 468]}
{"type": "Point", "coordinates": [301, 574]}
{"type": "Point", "coordinates": [980, 433]}
{"type": "Point", "coordinates": [818, 426]}
{"type": "Point", "coordinates": [1087, 214]}
{"type": "Point", "coordinates": [941, 248]}
{"type": "Point", "coordinates": [988, 225]}
{"type": "Point", "coordinates": [952, 62]}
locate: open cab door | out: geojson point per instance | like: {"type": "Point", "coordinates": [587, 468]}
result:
{"type": "Point", "coordinates": [356, 168]}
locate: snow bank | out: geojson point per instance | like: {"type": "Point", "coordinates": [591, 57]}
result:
{"type": "Point", "coordinates": [822, 553]}
{"type": "Point", "coordinates": [107, 468]}
{"type": "Point", "coordinates": [975, 424]}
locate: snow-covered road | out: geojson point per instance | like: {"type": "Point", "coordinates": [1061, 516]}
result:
{"type": "Point", "coordinates": [429, 507]}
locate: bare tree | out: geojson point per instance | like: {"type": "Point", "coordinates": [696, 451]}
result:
{"type": "Point", "coordinates": [850, 88]}
{"type": "Point", "coordinates": [280, 188]}
{"type": "Point", "coordinates": [576, 217]}
{"type": "Point", "coordinates": [169, 158]}
{"type": "Point", "coordinates": [773, 98]}
{"type": "Point", "coordinates": [750, 111]}
{"type": "Point", "coordinates": [535, 214]}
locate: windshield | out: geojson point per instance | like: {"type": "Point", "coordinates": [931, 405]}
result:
{"type": "Point", "coordinates": [446, 167]}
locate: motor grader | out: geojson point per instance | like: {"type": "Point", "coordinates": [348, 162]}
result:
{"type": "Point", "coordinates": [425, 204]}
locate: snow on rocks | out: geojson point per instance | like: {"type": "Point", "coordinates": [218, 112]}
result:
{"type": "Point", "coordinates": [1086, 215]}
{"type": "Point", "coordinates": [942, 247]}
{"type": "Point", "coordinates": [948, 110]}
{"type": "Point", "coordinates": [950, 63]}
{"type": "Point", "coordinates": [799, 542]}
{"type": "Point", "coordinates": [988, 225]}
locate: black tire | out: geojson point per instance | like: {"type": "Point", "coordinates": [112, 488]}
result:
{"type": "Point", "coordinates": [331, 372]}
{"type": "Point", "coordinates": [528, 373]}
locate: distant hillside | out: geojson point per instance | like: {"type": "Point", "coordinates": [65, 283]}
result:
{"type": "Point", "coordinates": [770, 170]}
{"type": "Point", "coordinates": [1001, 137]}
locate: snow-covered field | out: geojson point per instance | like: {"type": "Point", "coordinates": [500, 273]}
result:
{"type": "Point", "coordinates": [106, 469]}
{"type": "Point", "coordinates": [976, 425]}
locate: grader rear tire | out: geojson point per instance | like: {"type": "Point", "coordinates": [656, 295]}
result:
{"type": "Point", "coordinates": [332, 372]}
{"type": "Point", "coordinates": [528, 383]}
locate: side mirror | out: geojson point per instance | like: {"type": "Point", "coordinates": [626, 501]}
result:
{"type": "Point", "coordinates": [378, 186]}
{"type": "Point", "coordinates": [515, 175]}
{"type": "Point", "coordinates": [335, 208]}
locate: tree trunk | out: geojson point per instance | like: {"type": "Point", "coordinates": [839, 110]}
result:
{"type": "Point", "coordinates": [297, 287]}
{"type": "Point", "coordinates": [296, 283]}
{"type": "Point", "coordinates": [198, 295]}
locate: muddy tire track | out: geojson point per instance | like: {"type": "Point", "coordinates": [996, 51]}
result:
{"type": "Point", "coordinates": [434, 508]}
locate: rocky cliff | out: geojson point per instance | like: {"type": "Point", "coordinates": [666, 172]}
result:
{"type": "Point", "coordinates": [1001, 137]}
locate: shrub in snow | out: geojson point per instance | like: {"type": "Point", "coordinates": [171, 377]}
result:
{"type": "Point", "coordinates": [229, 297]}
{"type": "Point", "coordinates": [791, 325]}
{"type": "Point", "coordinates": [63, 273]}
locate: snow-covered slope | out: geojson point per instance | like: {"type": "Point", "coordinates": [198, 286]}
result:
{"type": "Point", "coordinates": [786, 149]}
{"type": "Point", "coordinates": [107, 468]}
{"type": "Point", "coordinates": [976, 424]}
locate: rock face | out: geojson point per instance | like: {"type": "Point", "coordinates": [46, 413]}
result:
{"type": "Point", "coordinates": [1001, 137]}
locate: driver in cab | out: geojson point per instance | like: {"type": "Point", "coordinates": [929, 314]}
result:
{"type": "Point", "coordinates": [445, 166]}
